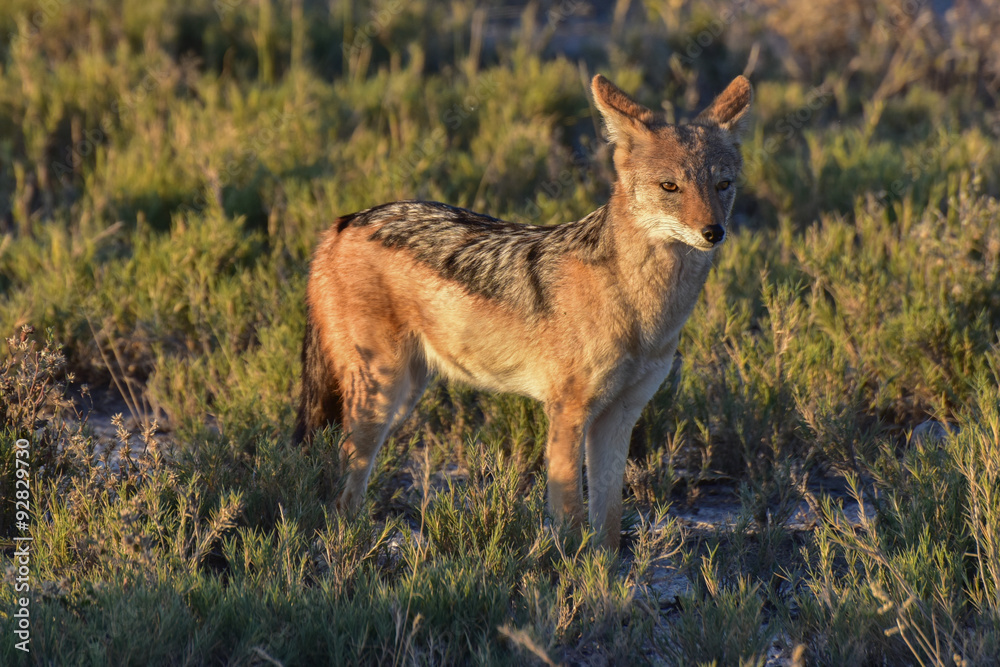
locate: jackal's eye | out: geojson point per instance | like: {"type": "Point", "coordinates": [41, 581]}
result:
{"type": "Point", "coordinates": [723, 185]}
{"type": "Point", "coordinates": [669, 187]}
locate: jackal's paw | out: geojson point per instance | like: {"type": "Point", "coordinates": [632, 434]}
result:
{"type": "Point", "coordinates": [572, 516]}
{"type": "Point", "coordinates": [349, 502]}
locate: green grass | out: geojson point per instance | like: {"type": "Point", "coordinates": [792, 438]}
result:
{"type": "Point", "coordinates": [165, 171]}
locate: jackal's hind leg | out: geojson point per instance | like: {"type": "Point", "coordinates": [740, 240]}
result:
{"type": "Point", "coordinates": [415, 385]}
{"type": "Point", "coordinates": [377, 400]}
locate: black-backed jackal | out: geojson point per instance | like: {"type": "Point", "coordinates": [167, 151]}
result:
{"type": "Point", "coordinates": [583, 316]}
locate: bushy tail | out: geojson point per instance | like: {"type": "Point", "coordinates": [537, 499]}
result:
{"type": "Point", "coordinates": [320, 404]}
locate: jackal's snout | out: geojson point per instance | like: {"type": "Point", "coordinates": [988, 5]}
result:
{"type": "Point", "coordinates": [714, 234]}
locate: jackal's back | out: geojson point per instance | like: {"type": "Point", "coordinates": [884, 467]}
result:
{"type": "Point", "coordinates": [505, 261]}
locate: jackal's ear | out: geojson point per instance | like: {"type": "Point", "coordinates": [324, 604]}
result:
{"type": "Point", "coordinates": [624, 117]}
{"type": "Point", "coordinates": [731, 109]}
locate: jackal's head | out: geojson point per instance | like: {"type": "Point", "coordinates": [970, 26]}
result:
{"type": "Point", "coordinates": [677, 181]}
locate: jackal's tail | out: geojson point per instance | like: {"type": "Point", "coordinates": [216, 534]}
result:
{"type": "Point", "coordinates": [320, 404]}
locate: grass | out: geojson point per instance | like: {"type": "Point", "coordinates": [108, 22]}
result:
{"type": "Point", "coordinates": [165, 171]}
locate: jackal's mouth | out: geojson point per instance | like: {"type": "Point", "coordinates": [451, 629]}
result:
{"type": "Point", "coordinates": [698, 242]}
{"type": "Point", "coordinates": [709, 237]}
{"type": "Point", "coordinates": [670, 229]}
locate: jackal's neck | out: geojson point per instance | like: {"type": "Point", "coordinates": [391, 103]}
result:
{"type": "Point", "coordinates": [659, 282]}
{"type": "Point", "coordinates": [591, 237]}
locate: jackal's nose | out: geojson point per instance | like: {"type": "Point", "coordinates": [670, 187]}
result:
{"type": "Point", "coordinates": [713, 233]}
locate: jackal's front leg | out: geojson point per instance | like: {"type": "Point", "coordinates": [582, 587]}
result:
{"type": "Point", "coordinates": [608, 439]}
{"type": "Point", "coordinates": [607, 452]}
{"type": "Point", "coordinates": [564, 452]}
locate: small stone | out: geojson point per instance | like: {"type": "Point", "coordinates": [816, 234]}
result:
{"type": "Point", "coordinates": [932, 431]}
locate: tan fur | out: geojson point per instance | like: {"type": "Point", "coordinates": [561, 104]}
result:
{"type": "Point", "coordinates": [585, 319]}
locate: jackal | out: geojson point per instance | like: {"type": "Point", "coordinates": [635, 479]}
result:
{"type": "Point", "coordinates": [582, 316]}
